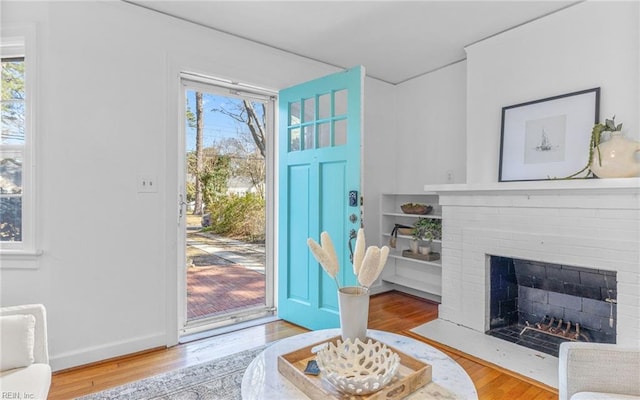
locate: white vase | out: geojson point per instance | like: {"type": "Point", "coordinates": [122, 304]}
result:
{"type": "Point", "coordinates": [353, 302]}
{"type": "Point", "coordinates": [413, 245]}
{"type": "Point", "coordinates": [619, 158]}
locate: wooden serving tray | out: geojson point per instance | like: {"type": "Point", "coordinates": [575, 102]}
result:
{"type": "Point", "coordinates": [412, 375]}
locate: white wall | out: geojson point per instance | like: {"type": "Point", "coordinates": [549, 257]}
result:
{"type": "Point", "coordinates": [431, 129]}
{"type": "Point", "coordinates": [378, 152]}
{"type": "Point", "coordinates": [592, 44]}
{"type": "Point", "coordinates": [107, 113]}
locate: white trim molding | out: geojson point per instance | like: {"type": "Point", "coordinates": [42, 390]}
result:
{"type": "Point", "coordinates": [20, 41]}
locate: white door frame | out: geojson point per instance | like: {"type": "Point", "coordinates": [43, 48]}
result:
{"type": "Point", "coordinates": [231, 89]}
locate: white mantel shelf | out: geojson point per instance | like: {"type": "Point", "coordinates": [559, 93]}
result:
{"type": "Point", "coordinates": [593, 186]}
{"type": "Point", "coordinates": [578, 193]}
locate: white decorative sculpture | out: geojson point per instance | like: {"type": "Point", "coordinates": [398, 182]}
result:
{"type": "Point", "coordinates": [356, 367]}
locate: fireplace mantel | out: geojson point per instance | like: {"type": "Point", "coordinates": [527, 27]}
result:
{"type": "Point", "coordinates": [560, 186]}
{"type": "Point", "coordinates": [588, 223]}
{"type": "Point", "coordinates": [605, 194]}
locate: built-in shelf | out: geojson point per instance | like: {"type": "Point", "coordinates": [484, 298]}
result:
{"type": "Point", "coordinates": [435, 263]}
{"type": "Point", "coordinates": [403, 215]}
{"type": "Point", "coordinates": [408, 237]}
{"type": "Point", "coordinates": [406, 272]}
{"type": "Point", "coordinates": [427, 287]}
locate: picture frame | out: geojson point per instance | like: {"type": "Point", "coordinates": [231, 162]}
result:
{"type": "Point", "coordinates": [547, 138]}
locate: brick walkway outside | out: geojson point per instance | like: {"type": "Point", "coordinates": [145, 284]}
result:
{"type": "Point", "coordinates": [226, 276]}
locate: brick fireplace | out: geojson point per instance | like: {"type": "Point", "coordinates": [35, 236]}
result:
{"type": "Point", "coordinates": [540, 305]}
{"type": "Point", "coordinates": [591, 224]}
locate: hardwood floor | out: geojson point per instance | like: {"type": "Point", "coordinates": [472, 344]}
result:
{"type": "Point", "coordinates": [393, 312]}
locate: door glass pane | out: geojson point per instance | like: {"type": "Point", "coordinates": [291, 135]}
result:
{"type": "Point", "coordinates": [308, 137]}
{"type": "Point", "coordinates": [324, 106]}
{"type": "Point", "coordinates": [340, 132]}
{"type": "Point", "coordinates": [309, 109]}
{"type": "Point", "coordinates": [324, 135]}
{"type": "Point", "coordinates": [294, 139]}
{"type": "Point", "coordinates": [294, 113]}
{"type": "Point", "coordinates": [340, 102]}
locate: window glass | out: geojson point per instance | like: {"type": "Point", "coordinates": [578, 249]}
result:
{"type": "Point", "coordinates": [309, 109]}
{"type": "Point", "coordinates": [340, 132]}
{"type": "Point", "coordinates": [294, 139]}
{"type": "Point", "coordinates": [11, 219]}
{"type": "Point", "coordinates": [308, 137]}
{"type": "Point", "coordinates": [294, 113]}
{"type": "Point", "coordinates": [340, 102]}
{"type": "Point", "coordinates": [12, 149]}
{"type": "Point", "coordinates": [13, 101]}
{"type": "Point", "coordinates": [324, 106]}
{"type": "Point", "coordinates": [324, 134]}
{"type": "Point", "coordinates": [11, 172]}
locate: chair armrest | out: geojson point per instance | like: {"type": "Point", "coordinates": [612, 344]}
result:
{"type": "Point", "coordinates": [40, 348]}
{"type": "Point", "coordinates": [598, 367]}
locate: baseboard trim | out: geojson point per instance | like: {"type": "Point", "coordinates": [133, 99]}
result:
{"type": "Point", "coordinates": [98, 354]}
{"type": "Point", "coordinates": [109, 360]}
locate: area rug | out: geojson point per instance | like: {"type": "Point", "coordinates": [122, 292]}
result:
{"type": "Point", "coordinates": [219, 379]}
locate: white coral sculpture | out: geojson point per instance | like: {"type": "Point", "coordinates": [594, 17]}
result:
{"type": "Point", "coordinates": [367, 264]}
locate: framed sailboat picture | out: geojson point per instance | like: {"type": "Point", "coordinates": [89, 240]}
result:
{"type": "Point", "coordinates": [547, 138]}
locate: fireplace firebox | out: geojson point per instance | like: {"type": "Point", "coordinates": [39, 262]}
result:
{"type": "Point", "coordinates": [540, 305]}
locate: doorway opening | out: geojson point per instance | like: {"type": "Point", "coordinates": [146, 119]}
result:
{"type": "Point", "coordinates": [226, 196]}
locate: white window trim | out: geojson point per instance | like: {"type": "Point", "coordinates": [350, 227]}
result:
{"type": "Point", "coordinates": [20, 41]}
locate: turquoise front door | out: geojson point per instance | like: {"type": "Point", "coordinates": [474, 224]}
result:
{"type": "Point", "coordinates": [319, 190]}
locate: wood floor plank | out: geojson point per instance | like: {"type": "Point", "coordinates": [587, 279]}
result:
{"type": "Point", "coordinates": [393, 311]}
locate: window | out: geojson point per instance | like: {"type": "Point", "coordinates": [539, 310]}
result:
{"type": "Point", "coordinates": [17, 211]}
{"type": "Point", "coordinates": [12, 150]}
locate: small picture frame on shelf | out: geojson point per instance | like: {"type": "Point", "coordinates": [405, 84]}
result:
{"type": "Point", "coordinates": [547, 138]}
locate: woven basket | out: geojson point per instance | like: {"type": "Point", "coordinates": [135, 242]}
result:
{"type": "Point", "coordinates": [420, 209]}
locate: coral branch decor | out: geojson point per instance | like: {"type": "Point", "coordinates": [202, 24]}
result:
{"type": "Point", "coordinates": [358, 254]}
{"type": "Point", "coordinates": [326, 255]}
{"type": "Point", "coordinates": [367, 265]}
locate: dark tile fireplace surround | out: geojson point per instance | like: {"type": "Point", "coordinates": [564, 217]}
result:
{"type": "Point", "coordinates": [529, 292]}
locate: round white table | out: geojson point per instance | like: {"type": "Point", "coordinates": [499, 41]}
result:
{"type": "Point", "coordinates": [262, 381]}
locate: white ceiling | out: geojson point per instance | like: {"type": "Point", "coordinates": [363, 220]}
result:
{"type": "Point", "coordinates": [394, 40]}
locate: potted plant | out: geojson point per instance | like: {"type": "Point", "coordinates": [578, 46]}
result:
{"type": "Point", "coordinates": [612, 158]}
{"type": "Point", "coordinates": [425, 229]}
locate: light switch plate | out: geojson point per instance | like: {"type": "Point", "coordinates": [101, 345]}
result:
{"type": "Point", "coordinates": [147, 184]}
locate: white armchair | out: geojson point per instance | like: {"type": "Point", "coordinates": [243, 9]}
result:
{"type": "Point", "coordinates": [24, 354]}
{"type": "Point", "coordinates": [596, 371]}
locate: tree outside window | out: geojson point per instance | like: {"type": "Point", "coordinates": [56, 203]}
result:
{"type": "Point", "coordinates": [12, 149]}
